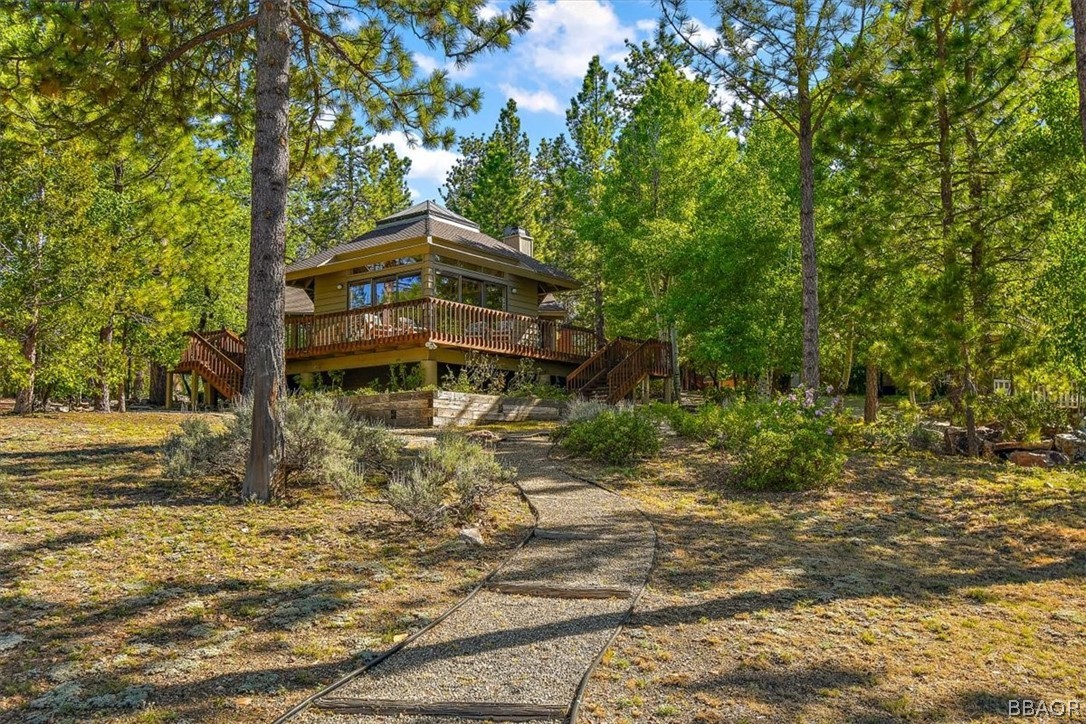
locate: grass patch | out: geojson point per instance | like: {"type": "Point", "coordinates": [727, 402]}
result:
{"type": "Point", "coordinates": [915, 588]}
{"type": "Point", "coordinates": [136, 598]}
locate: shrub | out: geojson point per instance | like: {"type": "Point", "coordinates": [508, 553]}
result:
{"type": "Point", "coordinates": [796, 459]}
{"type": "Point", "coordinates": [579, 410]}
{"type": "Point", "coordinates": [793, 442]}
{"type": "Point", "coordinates": [454, 476]}
{"type": "Point", "coordinates": [323, 445]}
{"type": "Point", "coordinates": [703, 424]}
{"type": "Point", "coordinates": [404, 378]}
{"type": "Point", "coordinates": [613, 436]}
{"type": "Point", "coordinates": [479, 374]}
{"type": "Point", "coordinates": [525, 382]}
{"type": "Point", "coordinates": [1022, 416]}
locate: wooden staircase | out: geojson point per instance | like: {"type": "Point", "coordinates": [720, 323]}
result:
{"type": "Point", "coordinates": [616, 369]}
{"type": "Point", "coordinates": [219, 358]}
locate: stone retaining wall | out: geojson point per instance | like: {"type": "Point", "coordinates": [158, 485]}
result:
{"type": "Point", "coordinates": [450, 409]}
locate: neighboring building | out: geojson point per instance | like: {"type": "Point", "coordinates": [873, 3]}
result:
{"type": "Point", "coordinates": [425, 286]}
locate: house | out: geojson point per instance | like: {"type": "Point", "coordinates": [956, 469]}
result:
{"type": "Point", "coordinates": [427, 287]}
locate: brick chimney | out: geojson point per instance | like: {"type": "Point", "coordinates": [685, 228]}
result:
{"type": "Point", "coordinates": [519, 239]}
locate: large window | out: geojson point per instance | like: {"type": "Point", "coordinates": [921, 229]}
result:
{"type": "Point", "coordinates": [477, 292]}
{"type": "Point", "coordinates": [384, 290]}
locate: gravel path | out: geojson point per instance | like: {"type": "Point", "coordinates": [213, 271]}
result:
{"type": "Point", "coordinates": [514, 649]}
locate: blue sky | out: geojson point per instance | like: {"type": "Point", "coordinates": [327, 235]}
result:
{"type": "Point", "coordinates": [541, 71]}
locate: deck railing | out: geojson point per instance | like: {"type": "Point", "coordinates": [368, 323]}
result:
{"type": "Point", "coordinates": [438, 321]}
{"type": "Point", "coordinates": [650, 358]}
{"type": "Point", "coordinates": [213, 364]}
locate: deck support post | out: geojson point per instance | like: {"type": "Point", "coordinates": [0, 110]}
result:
{"type": "Point", "coordinates": [169, 390]}
{"type": "Point", "coordinates": [194, 391]}
{"type": "Point", "coordinates": [429, 372]}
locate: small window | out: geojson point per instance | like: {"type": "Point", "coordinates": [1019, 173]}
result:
{"type": "Point", "coordinates": [447, 287]}
{"type": "Point", "coordinates": [471, 291]}
{"type": "Point", "coordinates": [408, 286]}
{"type": "Point", "coordinates": [494, 296]}
{"type": "Point", "coordinates": [359, 295]}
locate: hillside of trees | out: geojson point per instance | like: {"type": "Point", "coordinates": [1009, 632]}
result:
{"type": "Point", "coordinates": [883, 188]}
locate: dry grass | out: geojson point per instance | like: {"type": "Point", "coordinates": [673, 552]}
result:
{"type": "Point", "coordinates": [919, 589]}
{"type": "Point", "coordinates": [126, 597]}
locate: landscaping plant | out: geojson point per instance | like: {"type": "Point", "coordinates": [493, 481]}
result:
{"type": "Point", "coordinates": [323, 444]}
{"type": "Point", "coordinates": [453, 477]}
{"type": "Point", "coordinates": [616, 436]}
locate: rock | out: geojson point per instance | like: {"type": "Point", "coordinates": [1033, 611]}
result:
{"type": "Point", "coordinates": [1026, 459]}
{"type": "Point", "coordinates": [957, 440]}
{"type": "Point", "coordinates": [1058, 458]}
{"type": "Point", "coordinates": [1072, 444]}
{"type": "Point", "coordinates": [399, 637]}
{"type": "Point", "coordinates": [10, 641]}
{"type": "Point", "coordinates": [472, 537]}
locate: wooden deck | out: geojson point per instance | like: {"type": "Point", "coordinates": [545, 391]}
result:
{"type": "Point", "coordinates": [431, 322]}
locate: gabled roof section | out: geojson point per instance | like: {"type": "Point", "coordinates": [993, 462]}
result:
{"type": "Point", "coordinates": [429, 219]}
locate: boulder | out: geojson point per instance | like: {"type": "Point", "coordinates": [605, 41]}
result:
{"type": "Point", "coordinates": [1072, 444]}
{"type": "Point", "coordinates": [1027, 459]}
{"type": "Point", "coordinates": [472, 537]}
{"type": "Point", "coordinates": [957, 439]}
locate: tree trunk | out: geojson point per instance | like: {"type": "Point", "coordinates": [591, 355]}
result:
{"type": "Point", "coordinates": [846, 373]}
{"type": "Point", "coordinates": [871, 394]}
{"type": "Point", "coordinates": [122, 398]}
{"type": "Point", "coordinates": [597, 303]}
{"type": "Point", "coordinates": [1078, 14]}
{"type": "Point", "coordinates": [157, 395]}
{"type": "Point", "coordinates": [807, 244]}
{"type": "Point", "coordinates": [264, 380]}
{"type": "Point", "coordinates": [24, 400]}
{"type": "Point", "coordinates": [105, 339]}
{"type": "Point", "coordinates": [676, 378]}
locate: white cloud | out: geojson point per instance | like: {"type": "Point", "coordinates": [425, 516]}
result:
{"type": "Point", "coordinates": [425, 63]}
{"type": "Point", "coordinates": [428, 165]}
{"type": "Point", "coordinates": [488, 11]}
{"type": "Point", "coordinates": [705, 34]}
{"type": "Point", "coordinates": [565, 35]}
{"type": "Point", "coordinates": [539, 101]}
{"type": "Point", "coordinates": [646, 25]}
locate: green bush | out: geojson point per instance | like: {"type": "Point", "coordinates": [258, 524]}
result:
{"type": "Point", "coordinates": [479, 374]}
{"type": "Point", "coordinates": [404, 377]}
{"type": "Point", "coordinates": [454, 476]}
{"type": "Point", "coordinates": [323, 444]}
{"type": "Point", "coordinates": [613, 436]}
{"type": "Point", "coordinates": [792, 442]}
{"type": "Point", "coordinates": [1021, 416]}
{"type": "Point", "coordinates": [800, 458]}
{"type": "Point", "coordinates": [525, 382]}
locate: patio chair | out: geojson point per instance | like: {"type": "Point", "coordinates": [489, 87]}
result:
{"type": "Point", "coordinates": [503, 330]}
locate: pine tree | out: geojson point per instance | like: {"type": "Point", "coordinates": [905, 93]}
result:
{"type": "Point", "coordinates": [592, 120]}
{"type": "Point", "coordinates": [144, 67]}
{"type": "Point", "coordinates": [492, 183]}
{"type": "Point", "coordinates": [788, 58]}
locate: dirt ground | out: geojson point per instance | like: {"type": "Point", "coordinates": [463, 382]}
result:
{"type": "Point", "coordinates": [919, 589]}
{"type": "Point", "coordinates": [128, 597]}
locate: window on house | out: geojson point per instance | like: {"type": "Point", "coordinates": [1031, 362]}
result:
{"type": "Point", "coordinates": [494, 296]}
{"type": "Point", "coordinates": [478, 293]}
{"type": "Point", "coordinates": [447, 287]}
{"type": "Point", "coordinates": [384, 290]}
{"type": "Point", "coordinates": [471, 291]}
{"type": "Point", "coordinates": [359, 294]}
